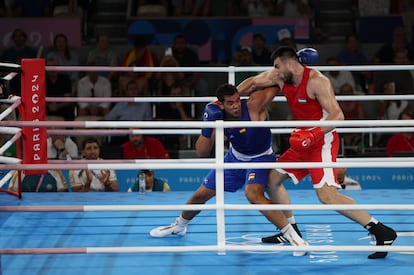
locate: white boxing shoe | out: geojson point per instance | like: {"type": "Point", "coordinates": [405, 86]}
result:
{"type": "Point", "coordinates": [172, 229]}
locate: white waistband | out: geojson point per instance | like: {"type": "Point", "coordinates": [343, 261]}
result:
{"type": "Point", "coordinates": [244, 157]}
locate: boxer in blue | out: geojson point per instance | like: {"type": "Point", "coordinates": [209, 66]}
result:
{"type": "Point", "coordinates": [247, 145]}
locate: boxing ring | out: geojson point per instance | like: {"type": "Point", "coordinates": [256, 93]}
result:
{"type": "Point", "coordinates": [108, 233]}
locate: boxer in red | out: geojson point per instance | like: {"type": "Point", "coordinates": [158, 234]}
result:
{"type": "Point", "coordinates": [310, 96]}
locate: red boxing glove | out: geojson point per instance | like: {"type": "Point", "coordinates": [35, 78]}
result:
{"type": "Point", "coordinates": [303, 139]}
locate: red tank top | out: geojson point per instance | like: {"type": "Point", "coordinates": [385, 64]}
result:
{"type": "Point", "coordinates": [301, 105]}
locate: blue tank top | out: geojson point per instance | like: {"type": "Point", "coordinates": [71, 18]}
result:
{"type": "Point", "coordinates": [249, 141]}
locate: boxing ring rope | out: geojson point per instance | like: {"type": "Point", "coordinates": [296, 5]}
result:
{"type": "Point", "coordinates": [11, 141]}
{"type": "Point", "coordinates": [178, 165]}
{"type": "Point", "coordinates": [174, 207]}
{"type": "Point", "coordinates": [210, 98]}
{"type": "Point", "coordinates": [11, 66]}
{"type": "Point", "coordinates": [186, 124]}
{"type": "Point", "coordinates": [208, 124]}
{"type": "Point", "coordinates": [217, 163]}
{"type": "Point", "coordinates": [81, 132]}
{"type": "Point", "coordinates": [14, 102]}
{"type": "Point", "coordinates": [219, 207]}
{"type": "Point", "coordinates": [222, 69]}
{"type": "Point", "coordinates": [201, 248]}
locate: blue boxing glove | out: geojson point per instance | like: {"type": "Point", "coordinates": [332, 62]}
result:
{"type": "Point", "coordinates": [212, 112]}
{"type": "Point", "coordinates": [308, 56]}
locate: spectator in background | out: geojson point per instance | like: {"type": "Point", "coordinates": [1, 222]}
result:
{"type": "Point", "coordinates": [402, 142]}
{"type": "Point", "coordinates": [58, 85]}
{"type": "Point", "coordinates": [131, 111]}
{"type": "Point", "coordinates": [139, 78]}
{"type": "Point", "coordinates": [352, 54]}
{"type": "Point", "coordinates": [174, 110]}
{"type": "Point", "coordinates": [65, 56]}
{"type": "Point", "coordinates": [152, 183]}
{"type": "Point", "coordinates": [235, 59]}
{"type": "Point", "coordinates": [94, 85]}
{"type": "Point", "coordinates": [141, 55]}
{"type": "Point", "coordinates": [93, 180]}
{"type": "Point", "coordinates": [19, 49]}
{"type": "Point", "coordinates": [61, 147]}
{"type": "Point", "coordinates": [165, 80]}
{"type": "Point", "coordinates": [286, 38]}
{"type": "Point", "coordinates": [104, 55]}
{"type": "Point", "coordinates": [246, 59]}
{"type": "Point", "coordinates": [390, 109]}
{"type": "Point", "coordinates": [338, 78]}
{"type": "Point", "coordinates": [33, 8]}
{"type": "Point", "coordinates": [52, 181]}
{"type": "Point", "coordinates": [178, 111]}
{"type": "Point", "coordinates": [187, 57]}
{"type": "Point", "coordinates": [15, 53]}
{"type": "Point", "coordinates": [261, 55]}
{"type": "Point", "coordinates": [386, 53]}
{"type": "Point", "coordinates": [352, 110]}
{"type": "Point", "coordinates": [143, 147]}
{"type": "Point", "coordinates": [403, 79]}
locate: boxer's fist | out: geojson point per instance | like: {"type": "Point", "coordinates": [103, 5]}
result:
{"type": "Point", "coordinates": [212, 112]}
{"type": "Point", "coordinates": [304, 139]}
{"type": "Point", "coordinates": [308, 56]}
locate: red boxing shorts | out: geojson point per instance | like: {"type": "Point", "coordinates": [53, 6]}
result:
{"type": "Point", "coordinates": [326, 152]}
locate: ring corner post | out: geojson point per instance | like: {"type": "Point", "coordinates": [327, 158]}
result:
{"type": "Point", "coordinates": [33, 93]}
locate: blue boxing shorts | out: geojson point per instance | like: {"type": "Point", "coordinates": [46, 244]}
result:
{"type": "Point", "coordinates": [234, 179]}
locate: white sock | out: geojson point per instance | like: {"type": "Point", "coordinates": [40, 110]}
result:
{"type": "Point", "coordinates": [292, 220]}
{"type": "Point", "coordinates": [293, 237]}
{"type": "Point", "coordinates": [287, 228]}
{"type": "Point", "coordinates": [374, 220]}
{"type": "Point", "coordinates": [181, 221]}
